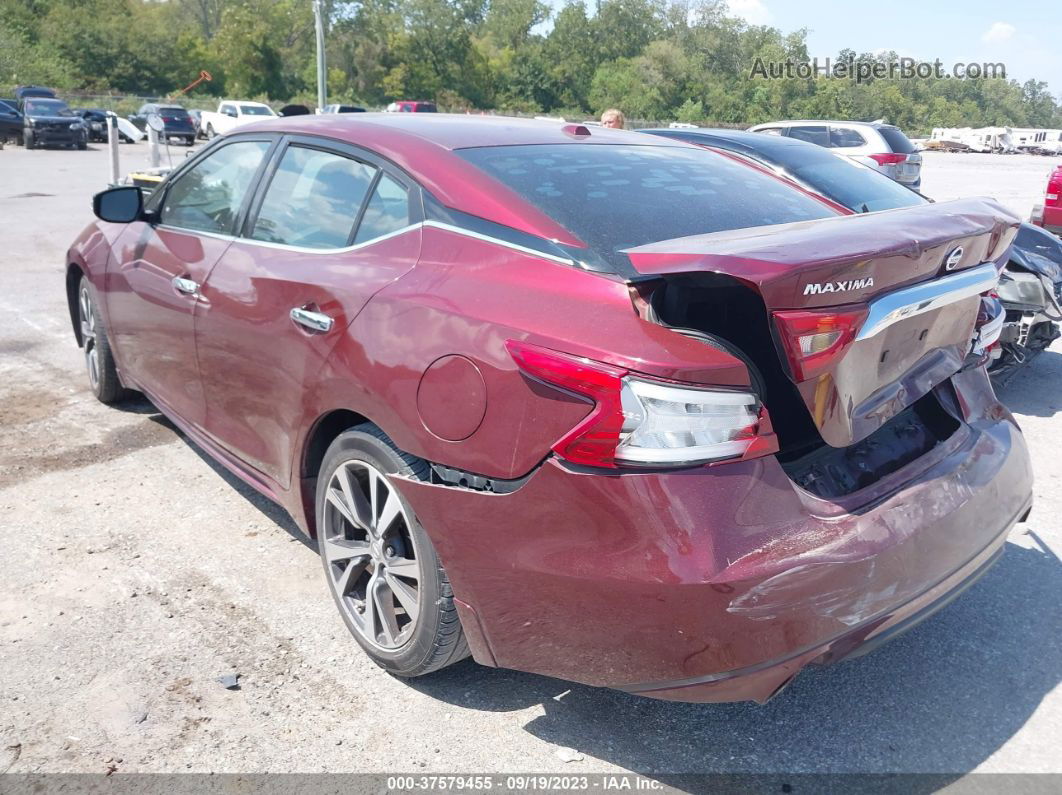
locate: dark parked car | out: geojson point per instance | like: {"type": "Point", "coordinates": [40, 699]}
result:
{"type": "Point", "coordinates": [96, 122]}
{"type": "Point", "coordinates": [10, 121]}
{"type": "Point", "coordinates": [196, 115]}
{"type": "Point", "coordinates": [50, 122]}
{"type": "Point", "coordinates": [592, 404]}
{"type": "Point", "coordinates": [294, 110]}
{"type": "Point", "coordinates": [343, 109]}
{"type": "Point", "coordinates": [177, 124]}
{"type": "Point", "coordinates": [25, 92]}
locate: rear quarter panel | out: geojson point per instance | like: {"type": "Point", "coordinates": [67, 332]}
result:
{"type": "Point", "coordinates": [467, 297]}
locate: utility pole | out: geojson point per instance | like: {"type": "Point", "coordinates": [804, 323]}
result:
{"type": "Point", "coordinates": [322, 72]}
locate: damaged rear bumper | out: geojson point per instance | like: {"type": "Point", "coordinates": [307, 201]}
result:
{"type": "Point", "coordinates": [720, 583]}
{"type": "Point", "coordinates": [763, 682]}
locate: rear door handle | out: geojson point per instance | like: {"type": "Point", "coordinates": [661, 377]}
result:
{"type": "Point", "coordinates": [314, 321]}
{"type": "Point", "coordinates": [186, 286]}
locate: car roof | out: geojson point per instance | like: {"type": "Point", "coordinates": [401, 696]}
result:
{"type": "Point", "coordinates": [840, 122]}
{"type": "Point", "coordinates": [446, 131]}
{"type": "Point", "coordinates": [754, 140]}
{"type": "Point", "coordinates": [424, 145]}
{"type": "Point", "coordinates": [776, 149]}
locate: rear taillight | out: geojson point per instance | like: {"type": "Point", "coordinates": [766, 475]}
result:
{"type": "Point", "coordinates": [641, 421]}
{"type": "Point", "coordinates": [1054, 190]}
{"type": "Point", "coordinates": [888, 158]}
{"type": "Point", "coordinates": [814, 339]}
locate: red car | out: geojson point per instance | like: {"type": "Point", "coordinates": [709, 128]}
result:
{"type": "Point", "coordinates": [1049, 215]}
{"type": "Point", "coordinates": [412, 106]}
{"type": "Point", "coordinates": [602, 406]}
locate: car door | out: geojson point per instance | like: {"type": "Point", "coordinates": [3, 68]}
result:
{"type": "Point", "coordinates": [10, 121]}
{"type": "Point", "coordinates": [331, 227]}
{"type": "Point", "coordinates": [153, 284]}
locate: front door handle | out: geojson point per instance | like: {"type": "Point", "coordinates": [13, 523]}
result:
{"type": "Point", "coordinates": [314, 321]}
{"type": "Point", "coordinates": [186, 286]}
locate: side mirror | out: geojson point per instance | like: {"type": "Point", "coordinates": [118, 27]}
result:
{"type": "Point", "coordinates": [119, 205]}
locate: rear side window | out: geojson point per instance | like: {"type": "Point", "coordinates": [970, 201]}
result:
{"type": "Point", "coordinates": [814, 135]}
{"type": "Point", "coordinates": [841, 137]}
{"type": "Point", "coordinates": [208, 197]}
{"type": "Point", "coordinates": [896, 140]}
{"type": "Point", "coordinates": [313, 199]}
{"type": "Point", "coordinates": [387, 211]}
{"type": "Point", "coordinates": [614, 197]}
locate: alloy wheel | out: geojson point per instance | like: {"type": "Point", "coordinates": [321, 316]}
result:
{"type": "Point", "coordinates": [88, 336]}
{"type": "Point", "coordinates": [371, 555]}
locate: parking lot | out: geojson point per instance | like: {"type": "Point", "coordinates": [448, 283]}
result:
{"type": "Point", "coordinates": [136, 572]}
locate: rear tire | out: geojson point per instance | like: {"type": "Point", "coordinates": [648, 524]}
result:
{"type": "Point", "coordinates": [378, 559]}
{"type": "Point", "coordinates": [99, 359]}
{"type": "Point", "coordinates": [210, 132]}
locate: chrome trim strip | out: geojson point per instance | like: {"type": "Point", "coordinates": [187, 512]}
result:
{"type": "Point", "coordinates": [925, 297]}
{"type": "Point", "coordinates": [487, 238]}
{"type": "Point", "coordinates": [286, 247]}
{"type": "Point", "coordinates": [434, 224]}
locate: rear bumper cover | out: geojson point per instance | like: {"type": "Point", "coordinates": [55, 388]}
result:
{"type": "Point", "coordinates": [720, 583]}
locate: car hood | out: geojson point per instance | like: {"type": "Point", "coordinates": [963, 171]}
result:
{"type": "Point", "coordinates": [1038, 251]}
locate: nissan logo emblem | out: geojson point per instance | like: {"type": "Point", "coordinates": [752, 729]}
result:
{"type": "Point", "coordinates": [951, 262]}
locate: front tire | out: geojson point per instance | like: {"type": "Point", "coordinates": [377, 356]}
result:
{"type": "Point", "coordinates": [381, 567]}
{"type": "Point", "coordinates": [28, 140]}
{"type": "Point", "coordinates": [99, 359]}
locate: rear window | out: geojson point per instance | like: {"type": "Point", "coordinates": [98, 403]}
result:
{"type": "Point", "coordinates": [616, 197]}
{"type": "Point", "coordinates": [896, 140]}
{"type": "Point", "coordinates": [179, 113]}
{"type": "Point", "coordinates": [255, 110]}
{"type": "Point", "coordinates": [857, 187]}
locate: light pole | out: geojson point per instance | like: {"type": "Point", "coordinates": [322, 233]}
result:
{"type": "Point", "coordinates": [322, 73]}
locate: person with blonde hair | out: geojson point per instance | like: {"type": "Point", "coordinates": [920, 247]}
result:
{"type": "Point", "coordinates": [613, 117]}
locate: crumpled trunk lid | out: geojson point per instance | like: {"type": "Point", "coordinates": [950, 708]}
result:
{"type": "Point", "coordinates": [910, 278]}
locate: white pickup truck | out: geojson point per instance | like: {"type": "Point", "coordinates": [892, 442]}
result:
{"type": "Point", "coordinates": [231, 114]}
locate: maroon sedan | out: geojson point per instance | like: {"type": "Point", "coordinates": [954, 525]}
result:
{"type": "Point", "coordinates": [597, 405]}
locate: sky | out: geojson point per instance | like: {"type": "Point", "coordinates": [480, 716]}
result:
{"type": "Point", "coordinates": [1025, 35]}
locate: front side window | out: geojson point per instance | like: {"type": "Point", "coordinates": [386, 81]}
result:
{"type": "Point", "coordinates": [387, 211]}
{"type": "Point", "coordinates": [814, 135]}
{"type": "Point", "coordinates": [313, 199]}
{"type": "Point", "coordinates": [208, 197]}
{"type": "Point", "coordinates": [615, 197]}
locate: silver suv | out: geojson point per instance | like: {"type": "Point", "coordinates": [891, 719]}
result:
{"type": "Point", "coordinates": [881, 146]}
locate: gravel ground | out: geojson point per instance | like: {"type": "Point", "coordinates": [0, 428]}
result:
{"type": "Point", "coordinates": [136, 572]}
